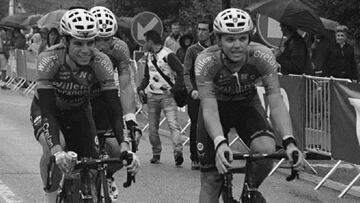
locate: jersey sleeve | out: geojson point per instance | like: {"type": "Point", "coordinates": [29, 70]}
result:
{"type": "Point", "coordinates": [204, 74]}
{"type": "Point", "coordinates": [189, 74]}
{"type": "Point", "coordinates": [47, 67]}
{"type": "Point", "coordinates": [267, 66]}
{"type": "Point", "coordinates": [121, 53]}
{"type": "Point", "coordinates": [104, 71]}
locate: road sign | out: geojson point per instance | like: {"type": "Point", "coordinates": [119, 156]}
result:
{"type": "Point", "coordinates": [269, 31]}
{"type": "Point", "coordinates": [144, 22]}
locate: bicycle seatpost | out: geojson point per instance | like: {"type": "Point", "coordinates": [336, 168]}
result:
{"type": "Point", "coordinates": [294, 173]}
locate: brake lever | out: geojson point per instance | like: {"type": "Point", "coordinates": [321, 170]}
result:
{"type": "Point", "coordinates": [129, 177]}
{"type": "Point", "coordinates": [294, 173]}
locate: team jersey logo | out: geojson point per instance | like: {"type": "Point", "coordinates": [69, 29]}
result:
{"type": "Point", "coordinates": [240, 83]}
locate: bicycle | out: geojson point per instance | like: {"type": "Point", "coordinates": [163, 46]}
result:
{"type": "Point", "coordinates": [87, 183]}
{"type": "Point", "coordinates": [227, 185]}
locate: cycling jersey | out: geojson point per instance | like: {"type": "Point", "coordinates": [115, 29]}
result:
{"type": "Point", "coordinates": [120, 55]}
{"type": "Point", "coordinates": [73, 88]}
{"type": "Point", "coordinates": [233, 85]}
{"type": "Point", "coordinates": [70, 88]}
{"type": "Point", "coordinates": [218, 78]}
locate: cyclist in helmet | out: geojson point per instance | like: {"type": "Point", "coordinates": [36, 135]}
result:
{"type": "Point", "coordinates": [226, 74]}
{"type": "Point", "coordinates": [60, 111]}
{"type": "Point", "coordinates": [118, 52]}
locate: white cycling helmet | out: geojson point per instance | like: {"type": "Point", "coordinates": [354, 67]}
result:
{"type": "Point", "coordinates": [233, 21]}
{"type": "Point", "coordinates": [106, 19]}
{"type": "Point", "coordinates": [80, 24]}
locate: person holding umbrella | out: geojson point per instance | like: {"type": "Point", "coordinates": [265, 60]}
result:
{"type": "Point", "coordinates": [52, 37]}
{"type": "Point", "coordinates": [295, 57]}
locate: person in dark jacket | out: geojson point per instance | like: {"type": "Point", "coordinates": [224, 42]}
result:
{"type": "Point", "coordinates": [340, 58]}
{"type": "Point", "coordinates": [185, 41]}
{"type": "Point", "coordinates": [53, 37]}
{"type": "Point", "coordinates": [295, 59]}
{"type": "Point", "coordinates": [204, 29]}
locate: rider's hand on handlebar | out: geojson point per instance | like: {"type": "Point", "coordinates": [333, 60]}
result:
{"type": "Point", "coordinates": [63, 160]}
{"type": "Point", "coordinates": [222, 164]}
{"type": "Point", "coordinates": [299, 165]}
{"type": "Point", "coordinates": [134, 166]}
{"type": "Point", "coordinates": [130, 123]}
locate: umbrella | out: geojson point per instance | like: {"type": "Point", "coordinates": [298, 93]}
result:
{"type": "Point", "coordinates": [124, 22]}
{"type": "Point", "coordinates": [31, 20]}
{"type": "Point", "coordinates": [329, 24]}
{"type": "Point", "coordinates": [51, 19]}
{"type": "Point", "coordinates": [290, 12]}
{"type": "Point", "coordinates": [14, 21]}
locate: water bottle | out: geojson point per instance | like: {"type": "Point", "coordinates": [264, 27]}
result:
{"type": "Point", "coordinates": [73, 158]}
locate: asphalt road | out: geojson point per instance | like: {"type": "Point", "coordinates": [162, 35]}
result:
{"type": "Point", "coordinates": [162, 183]}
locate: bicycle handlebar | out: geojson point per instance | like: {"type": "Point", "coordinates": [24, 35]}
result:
{"type": "Point", "coordinates": [87, 163]}
{"type": "Point", "coordinates": [254, 157]}
{"type": "Point", "coordinates": [228, 196]}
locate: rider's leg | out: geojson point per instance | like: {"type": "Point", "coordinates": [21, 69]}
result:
{"type": "Point", "coordinates": [211, 180]}
{"type": "Point", "coordinates": [257, 171]}
{"type": "Point", "coordinates": [211, 183]}
{"type": "Point", "coordinates": [113, 149]}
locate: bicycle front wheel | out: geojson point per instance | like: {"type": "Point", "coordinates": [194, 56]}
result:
{"type": "Point", "coordinates": [102, 188]}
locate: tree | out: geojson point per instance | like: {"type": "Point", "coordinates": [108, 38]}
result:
{"type": "Point", "coordinates": [4, 8]}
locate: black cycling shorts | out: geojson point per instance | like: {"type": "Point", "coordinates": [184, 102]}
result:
{"type": "Point", "coordinates": [77, 126]}
{"type": "Point", "coordinates": [248, 120]}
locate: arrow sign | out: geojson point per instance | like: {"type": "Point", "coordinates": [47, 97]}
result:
{"type": "Point", "coordinates": [144, 22]}
{"type": "Point", "coordinates": [141, 30]}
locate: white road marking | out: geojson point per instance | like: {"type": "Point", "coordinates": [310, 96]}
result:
{"type": "Point", "coordinates": [7, 194]}
{"type": "Point", "coordinates": [347, 166]}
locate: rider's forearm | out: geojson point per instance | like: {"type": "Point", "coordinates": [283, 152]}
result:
{"type": "Point", "coordinates": [280, 116]}
{"type": "Point", "coordinates": [49, 121]}
{"type": "Point", "coordinates": [127, 95]}
{"type": "Point", "coordinates": [211, 118]}
{"type": "Point", "coordinates": [115, 113]}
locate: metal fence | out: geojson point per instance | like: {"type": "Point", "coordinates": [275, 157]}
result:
{"type": "Point", "coordinates": [317, 116]}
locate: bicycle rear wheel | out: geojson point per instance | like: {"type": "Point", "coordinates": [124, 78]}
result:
{"type": "Point", "coordinates": [102, 188]}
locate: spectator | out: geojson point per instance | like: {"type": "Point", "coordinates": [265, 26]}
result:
{"type": "Point", "coordinates": [3, 61]}
{"type": "Point", "coordinates": [9, 41]}
{"type": "Point", "coordinates": [340, 58]}
{"type": "Point", "coordinates": [204, 28]}
{"type": "Point", "coordinates": [19, 39]}
{"type": "Point", "coordinates": [318, 49]}
{"type": "Point", "coordinates": [172, 41]}
{"type": "Point", "coordinates": [295, 59]}
{"type": "Point", "coordinates": [159, 93]}
{"type": "Point", "coordinates": [185, 41]}
{"type": "Point", "coordinates": [44, 34]}
{"type": "Point", "coordinates": [35, 43]}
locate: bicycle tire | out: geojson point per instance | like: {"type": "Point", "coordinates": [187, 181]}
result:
{"type": "Point", "coordinates": [102, 188]}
